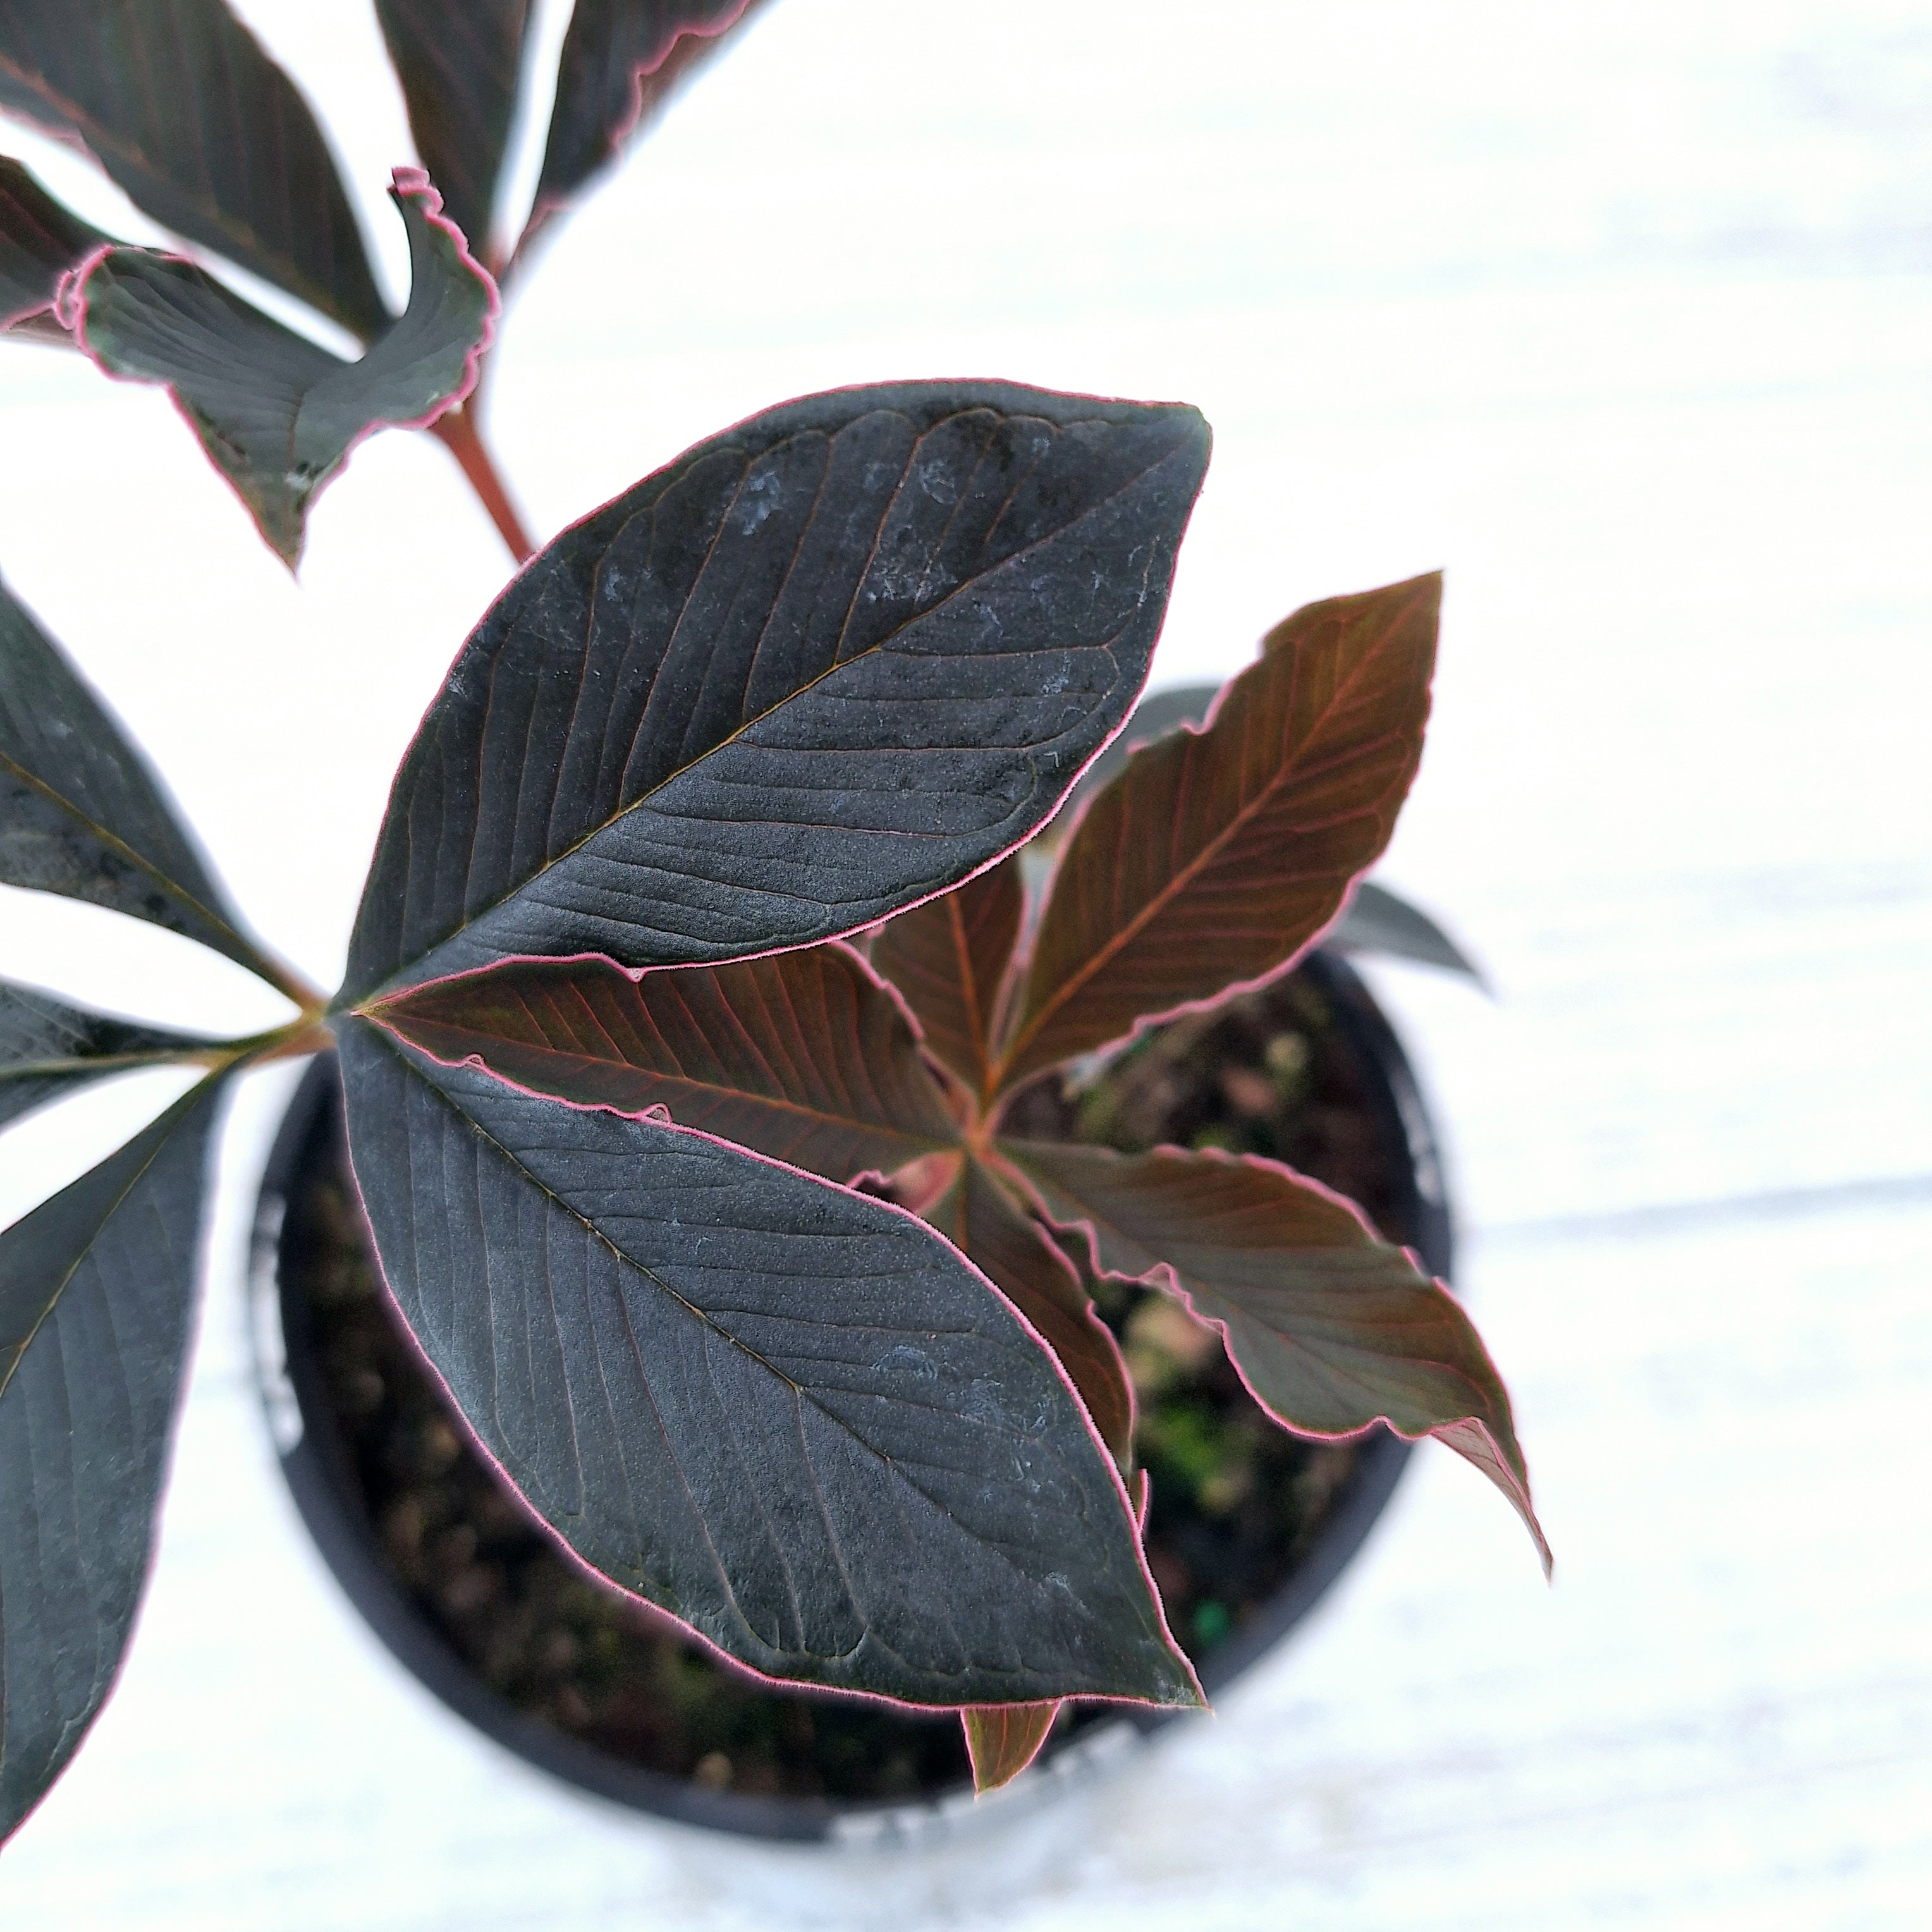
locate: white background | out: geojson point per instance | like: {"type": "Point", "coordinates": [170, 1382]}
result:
{"type": "Point", "coordinates": [1622, 315]}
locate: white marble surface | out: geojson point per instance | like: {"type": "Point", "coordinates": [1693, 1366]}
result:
{"type": "Point", "coordinates": [1623, 317]}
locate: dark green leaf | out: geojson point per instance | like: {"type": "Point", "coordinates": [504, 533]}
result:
{"type": "Point", "coordinates": [1023, 1262]}
{"type": "Point", "coordinates": [949, 957]}
{"type": "Point", "coordinates": [786, 1413]}
{"type": "Point", "coordinates": [40, 241]}
{"type": "Point", "coordinates": [459, 61]}
{"type": "Point", "coordinates": [622, 61]}
{"type": "Point", "coordinates": [276, 414]}
{"type": "Point", "coordinates": [201, 130]}
{"type": "Point", "coordinates": [1375, 921]}
{"type": "Point", "coordinates": [47, 1046]}
{"type": "Point", "coordinates": [96, 1287]}
{"type": "Point", "coordinates": [1216, 856]}
{"type": "Point", "coordinates": [1003, 1739]}
{"type": "Point", "coordinates": [823, 666]}
{"type": "Point", "coordinates": [80, 813]}
{"type": "Point", "coordinates": [803, 1056]}
{"type": "Point", "coordinates": [1332, 1328]}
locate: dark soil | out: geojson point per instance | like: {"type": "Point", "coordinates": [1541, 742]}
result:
{"type": "Point", "coordinates": [1235, 1501]}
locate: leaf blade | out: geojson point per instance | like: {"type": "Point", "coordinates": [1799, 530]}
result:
{"type": "Point", "coordinates": [657, 1308]}
{"type": "Point", "coordinates": [802, 1056]}
{"type": "Point", "coordinates": [81, 815]}
{"type": "Point", "coordinates": [202, 131]}
{"type": "Point", "coordinates": [949, 957]}
{"type": "Point", "coordinates": [276, 414]}
{"type": "Point", "coordinates": [1003, 1739]}
{"type": "Point", "coordinates": [1216, 856]}
{"type": "Point", "coordinates": [459, 62]}
{"type": "Point", "coordinates": [40, 241]}
{"type": "Point", "coordinates": [96, 1289]}
{"type": "Point", "coordinates": [47, 1047]}
{"type": "Point", "coordinates": [1332, 1329]}
{"type": "Point", "coordinates": [822, 667]}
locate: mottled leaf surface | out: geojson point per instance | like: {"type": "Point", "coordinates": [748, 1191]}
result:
{"type": "Point", "coordinates": [80, 813]}
{"type": "Point", "coordinates": [178, 102]}
{"type": "Point", "coordinates": [949, 957]}
{"type": "Point", "coordinates": [1018, 1257]}
{"type": "Point", "coordinates": [1216, 856]}
{"type": "Point", "coordinates": [1332, 1328]}
{"type": "Point", "coordinates": [40, 241]}
{"type": "Point", "coordinates": [277, 414]}
{"type": "Point", "coordinates": [1003, 1739]}
{"type": "Point", "coordinates": [48, 1047]}
{"type": "Point", "coordinates": [621, 61]}
{"type": "Point", "coordinates": [786, 1413]}
{"type": "Point", "coordinates": [459, 61]}
{"type": "Point", "coordinates": [803, 1056]}
{"type": "Point", "coordinates": [821, 667]}
{"type": "Point", "coordinates": [96, 1289]}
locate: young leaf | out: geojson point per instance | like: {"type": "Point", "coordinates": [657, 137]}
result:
{"type": "Point", "coordinates": [803, 1056]}
{"type": "Point", "coordinates": [1019, 1258]}
{"type": "Point", "coordinates": [47, 1046]}
{"type": "Point", "coordinates": [40, 241]}
{"type": "Point", "coordinates": [1374, 920]}
{"type": "Point", "coordinates": [786, 1413]}
{"type": "Point", "coordinates": [188, 116]}
{"type": "Point", "coordinates": [1003, 1739]}
{"type": "Point", "coordinates": [1217, 856]}
{"type": "Point", "coordinates": [1332, 1328]}
{"type": "Point", "coordinates": [948, 958]}
{"type": "Point", "coordinates": [80, 813]}
{"type": "Point", "coordinates": [96, 1286]}
{"type": "Point", "coordinates": [277, 415]}
{"type": "Point", "coordinates": [823, 666]}
{"type": "Point", "coordinates": [622, 60]}
{"type": "Point", "coordinates": [459, 61]}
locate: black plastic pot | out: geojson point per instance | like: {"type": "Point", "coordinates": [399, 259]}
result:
{"type": "Point", "coordinates": [316, 1457]}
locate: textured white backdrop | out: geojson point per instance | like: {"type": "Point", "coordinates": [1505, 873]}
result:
{"type": "Point", "coordinates": [1624, 316]}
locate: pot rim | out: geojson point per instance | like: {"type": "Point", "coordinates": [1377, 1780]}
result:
{"type": "Point", "coordinates": [315, 1466]}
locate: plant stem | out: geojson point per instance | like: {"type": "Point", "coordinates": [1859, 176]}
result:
{"type": "Point", "coordinates": [456, 431]}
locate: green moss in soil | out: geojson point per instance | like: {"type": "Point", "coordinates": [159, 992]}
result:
{"type": "Point", "coordinates": [1234, 1500]}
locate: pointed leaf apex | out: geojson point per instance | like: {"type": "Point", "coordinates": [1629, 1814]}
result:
{"type": "Point", "coordinates": [1003, 1739]}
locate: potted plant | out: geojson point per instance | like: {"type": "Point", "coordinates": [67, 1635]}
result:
{"type": "Point", "coordinates": [770, 1285]}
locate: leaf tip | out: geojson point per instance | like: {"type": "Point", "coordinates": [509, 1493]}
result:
{"type": "Point", "coordinates": [1003, 1739]}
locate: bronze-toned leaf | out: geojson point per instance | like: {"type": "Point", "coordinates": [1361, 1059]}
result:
{"type": "Point", "coordinates": [177, 101]}
{"type": "Point", "coordinates": [276, 414]}
{"type": "Point", "coordinates": [1003, 1739]}
{"type": "Point", "coordinates": [802, 1055]}
{"type": "Point", "coordinates": [40, 241]}
{"type": "Point", "coordinates": [459, 61]}
{"type": "Point", "coordinates": [1216, 856]}
{"type": "Point", "coordinates": [1331, 1328]}
{"type": "Point", "coordinates": [949, 957]}
{"type": "Point", "coordinates": [976, 1214]}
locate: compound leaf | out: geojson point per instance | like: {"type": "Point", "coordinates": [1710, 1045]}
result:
{"type": "Point", "coordinates": [622, 61]}
{"type": "Point", "coordinates": [40, 241]}
{"type": "Point", "coordinates": [1217, 855]}
{"type": "Point", "coordinates": [80, 813]}
{"type": "Point", "coordinates": [1332, 1328]}
{"type": "Point", "coordinates": [459, 61]}
{"type": "Point", "coordinates": [803, 1056]}
{"type": "Point", "coordinates": [200, 128]}
{"type": "Point", "coordinates": [786, 1414]}
{"type": "Point", "coordinates": [1003, 1739]}
{"type": "Point", "coordinates": [96, 1289]}
{"type": "Point", "coordinates": [949, 957]}
{"type": "Point", "coordinates": [822, 667]}
{"type": "Point", "coordinates": [47, 1046]}
{"type": "Point", "coordinates": [1018, 1256]}
{"type": "Point", "coordinates": [277, 414]}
